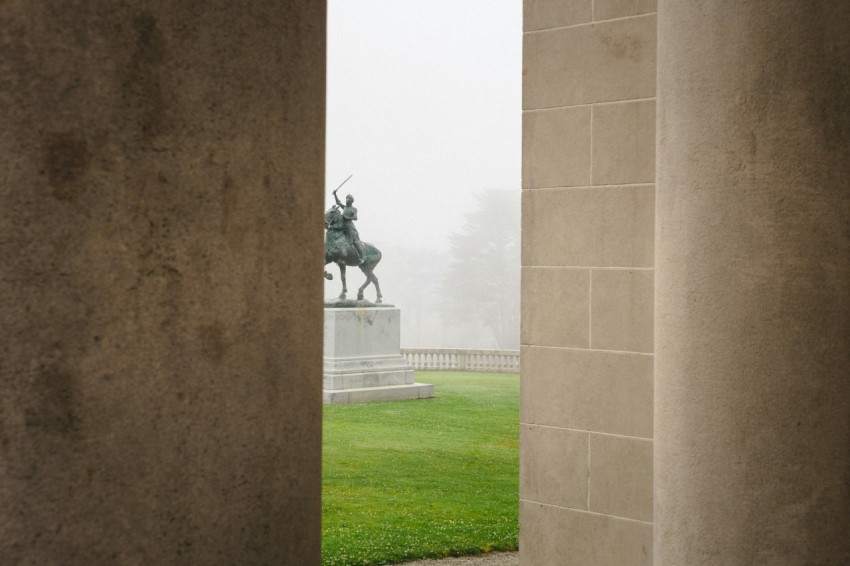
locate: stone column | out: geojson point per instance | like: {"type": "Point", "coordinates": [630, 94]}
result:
{"type": "Point", "coordinates": [752, 403]}
{"type": "Point", "coordinates": [160, 281]}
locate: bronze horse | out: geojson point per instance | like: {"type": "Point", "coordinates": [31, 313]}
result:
{"type": "Point", "coordinates": [340, 251]}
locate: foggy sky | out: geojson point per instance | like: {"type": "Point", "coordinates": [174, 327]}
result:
{"type": "Point", "coordinates": [424, 108]}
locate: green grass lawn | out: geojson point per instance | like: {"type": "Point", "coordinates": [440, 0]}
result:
{"type": "Point", "coordinates": [427, 478]}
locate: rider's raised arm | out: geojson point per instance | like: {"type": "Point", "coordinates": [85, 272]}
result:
{"type": "Point", "coordinates": [336, 198]}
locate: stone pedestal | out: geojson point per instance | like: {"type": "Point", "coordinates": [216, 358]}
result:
{"type": "Point", "coordinates": [362, 358]}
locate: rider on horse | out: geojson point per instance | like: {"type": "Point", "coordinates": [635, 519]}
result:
{"type": "Point", "coordinates": [349, 215]}
{"type": "Point", "coordinates": [344, 248]}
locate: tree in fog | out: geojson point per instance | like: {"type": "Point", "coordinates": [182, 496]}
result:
{"type": "Point", "coordinates": [480, 289]}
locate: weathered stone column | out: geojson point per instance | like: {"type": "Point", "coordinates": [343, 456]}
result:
{"type": "Point", "coordinates": [752, 427]}
{"type": "Point", "coordinates": [160, 281]}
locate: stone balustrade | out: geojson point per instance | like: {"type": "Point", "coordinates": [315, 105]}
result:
{"type": "Point", "coordinates": [453, 359]}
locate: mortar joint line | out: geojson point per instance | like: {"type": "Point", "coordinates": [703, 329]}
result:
{"type": "Point", "coordinates": [589, 432]}
{"type": "Point", "coordinates": [590, 23]}
{"type": "Point", "coordinates": [594, 103]}
{"type": "Point", "coordinates": [650, 354]}
{"type": "Point", "coordinates": [590, 175]}
{"type": "Point", "coordinates": [588, 470]}
{"type": "Point", "coordinates": [590, 308]}
{"type": "Point", "coordinates": [588, 187]}
{"type": "Point", "coordinates": [597, 267]}
{"type": "Point", "coordinates": [588, 511]}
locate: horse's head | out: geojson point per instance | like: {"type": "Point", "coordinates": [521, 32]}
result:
{"type": "Point", "coordinates": [333, 218]}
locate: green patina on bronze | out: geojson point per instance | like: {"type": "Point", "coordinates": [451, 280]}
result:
{"type": "Point", "coordinates": [344, 248]}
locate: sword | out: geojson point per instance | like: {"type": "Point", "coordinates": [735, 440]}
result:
{"type": "Point", "coordinates": [344, 182]}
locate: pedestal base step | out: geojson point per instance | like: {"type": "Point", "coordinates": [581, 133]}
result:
{"type": "Point", "coordinates": [373, 394]}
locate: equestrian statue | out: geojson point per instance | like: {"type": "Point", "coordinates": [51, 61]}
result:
{"type": "Point", "coordinates": [344, 248]}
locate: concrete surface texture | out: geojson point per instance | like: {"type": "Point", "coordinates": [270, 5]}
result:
{"type": "Point", "coordinates": [161, 243]}
{"type": "Point", "coordinates": [587, 283]}
{"type": "Point", "coordinates": [753, 286]}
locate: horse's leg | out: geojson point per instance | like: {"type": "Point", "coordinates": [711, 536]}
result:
{"type": "Point", "coordinates": [370, 278]}
{"type": "Point", "coordinates": [377, 286]}
{"type": "Point", "coordinates": [363, 287]}
{"type": "Point", "coordinates": [342, 276]}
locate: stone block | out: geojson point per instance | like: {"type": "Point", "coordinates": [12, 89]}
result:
{"type": "Point", "coordinates": [608, 392]}
{"type": "Point", "coordinates": [362, 358]}
{"type": "Point", "coordinates": [362, 332]}
{"type": "Point", "coordinates": [556, 147]}
{"type": "Point", "coordinates": [379, 393]}
{"type": "Point", "coordinates": [543, 14]}
{"type": "Point", "coordinates": [604, 62]}
{"type": "Point", "coordinates": [621, 312]}
{"type": "Point", "coordinates": [553, 466]}
{"type": "Point", "coordinates": [565, 537]}
{"type": "Point", "coordinates": [371, 371]}
{"type": "Point", "coordinates": [624, 143]}
{"type": "Point", "coordinates": [555, 307]}
{"type": "Point", "coordinates": [600, 227]}
{"type": "Point", "coordinates": [621, 476]}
